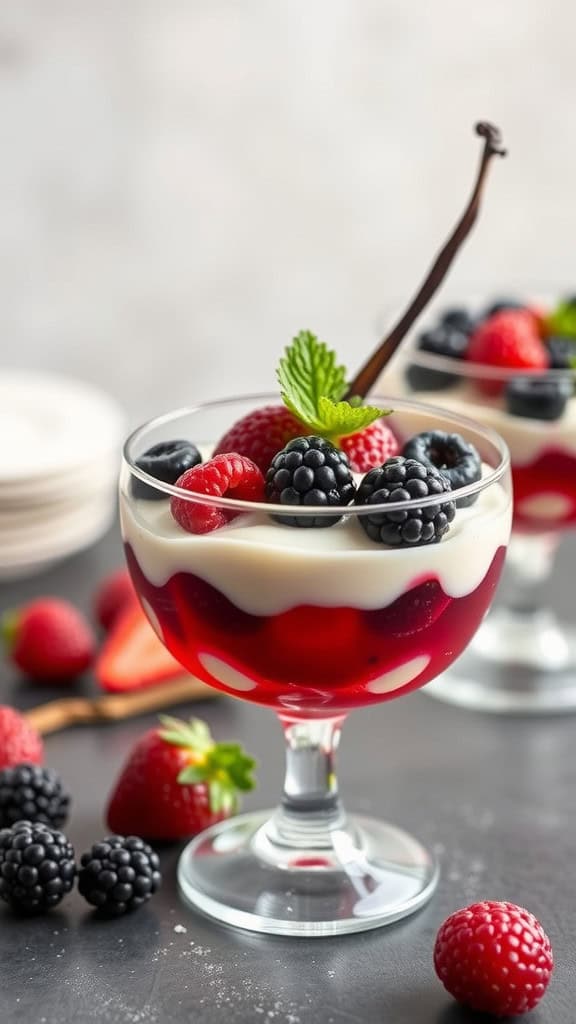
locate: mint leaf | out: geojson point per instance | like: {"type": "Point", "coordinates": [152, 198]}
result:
{"type": "Point", "coordinates": [337, 419]}
{"type": "Point", "coordinates": [307, 372]}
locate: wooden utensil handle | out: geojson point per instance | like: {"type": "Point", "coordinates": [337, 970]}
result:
{"type": "Point", "coordinates": [59, 714]}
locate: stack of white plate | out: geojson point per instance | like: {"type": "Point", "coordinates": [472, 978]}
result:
{"type": "Point", "coordinates": [60, 442]}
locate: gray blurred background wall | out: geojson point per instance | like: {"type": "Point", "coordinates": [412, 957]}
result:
{"type": "Point", "coordinates": [185, 183]}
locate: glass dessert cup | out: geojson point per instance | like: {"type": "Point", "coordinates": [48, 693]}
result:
{"type": "Point", "coordinates": [523, 659]}
{"type": "Point", "coordinates": [312, 623]}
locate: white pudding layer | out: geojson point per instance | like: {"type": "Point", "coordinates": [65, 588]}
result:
{"type": "Point", "coordinates": [265, 568]}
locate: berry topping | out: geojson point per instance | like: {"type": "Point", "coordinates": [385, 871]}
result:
{"type": "Point", "coordinates": [562, 320]}
{"type": "Point", "coordinates": [114, 593]}
{"type": "Point", "coordinates": [36, 866]}
{"type": "Point", "coordinates": [31, 793]}
{"type": "Point", "coordinates": [401, 479]}
{"type": "Point", "coordinates": [260, 434]}
{"type": "Point", "coordinates": [444, 340]}
{"type": "Point", "coordinates": [460, 319]}
{"type": "Point", "coordinates": [178, 781]}
{"type": "Point", "coordinates": [509, 340]}
{"type": "Point", "coordinates": [494, 957]}
{"type": "Point", "coordinates": [561, 353]}
{"type": "Point", "coordinates": [19, 742]}
{"type": "Point", "coordinates": [310, 472]}
{"type": "Point", "coordinates": [224, 476]}
{"type": "Point", "coordinates": [540, 398]}
{"type": "Point", "coordinates": [456, 458]}
{"type": "Point", "coordinates": [49, 639]}
{"type": "Point", "coordinates": [370, 447]}
{"type": "Point", "coordinates": [166, 462]}
{"type": "Point", "coordinates": [502, 305]}
{"type": "Point", "coordinates": [119, 874]}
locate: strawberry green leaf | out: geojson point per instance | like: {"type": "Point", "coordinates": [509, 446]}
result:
{"type": "Point", "coordinates": [338, 419]}
{"type": "Point", "coordinates": [193, 735]}
{"type": "Point", "coordinates": [226, 770]}
{"type": "Point", "coordinates": [308, 370]}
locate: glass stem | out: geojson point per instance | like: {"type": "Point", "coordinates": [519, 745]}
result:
{"type": "Point", "coordinates": [310, 809]}
{"type": "Point", "coordinates": [529, 563]}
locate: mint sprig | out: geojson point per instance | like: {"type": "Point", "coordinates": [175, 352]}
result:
{"type": "Point", "coordinates": [312, 385]}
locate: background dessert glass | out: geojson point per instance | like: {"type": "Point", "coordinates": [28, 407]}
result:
{"type": "Point", "coordinates": [522, 658]}
{"type": "Point", "coordinates": [313, 623]}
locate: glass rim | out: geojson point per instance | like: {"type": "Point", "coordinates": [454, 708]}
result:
{"type": "Point", "coordinates": [478, 371]}
{"type": "Point", "coordinates": [306, 511]}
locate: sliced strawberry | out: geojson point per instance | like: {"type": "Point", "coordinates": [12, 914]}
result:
{"type": "Point", "coordinates": [178, 781]}
{"type": "Point", "coordinates": [133, 657]}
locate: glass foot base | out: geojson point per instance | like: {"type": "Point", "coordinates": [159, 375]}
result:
{"type": "Point", "coordinates": [517, 662]}
{"type": "Point", "coordinates": [371, 875]}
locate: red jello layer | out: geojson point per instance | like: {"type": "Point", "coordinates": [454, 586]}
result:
{"type": "Point", "coordinates": [552, 474]}
{"type": "Point", "coordinates": [315, 659]}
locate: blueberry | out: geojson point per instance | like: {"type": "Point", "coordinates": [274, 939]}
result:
{"type": "Point", "coordinates": [456, 459]}
{"type": "Point", "coordinates": [539, 398]}
{"type": "Point", "coordinates": [460, 319]}
{"type": "Point", "coordinates": [165, 461]}
{"type": "Point", "coordinates": [444, 340]}
{"type": "Point", "coordinates": [502, 305]}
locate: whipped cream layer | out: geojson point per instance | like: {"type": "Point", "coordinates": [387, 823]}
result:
{"type": "Point", "coordinates": [526, 438]}
{"type": "Point", "coordinates": [265, 568]}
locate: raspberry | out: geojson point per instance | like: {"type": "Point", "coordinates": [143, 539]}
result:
{"type": "Point", "coordinates": [508, 339]}
{"type": "Point", "coordinates": [370, 447]}
{"type": "Point", "coordinates": [19, 741]}
{"type": "Point", "coordinates": [494, 957]}
{"type": "Point", "coordinates": [401, 479]}
{"type": "Point", "coordinates": [224, 476]}
{"type": "Point", "coordinates": [260, 434]}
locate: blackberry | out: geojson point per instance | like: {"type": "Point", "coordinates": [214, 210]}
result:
{"type": "Point", "coordinates": [456, 459]}
{"type": "Point", "coordinates": [31, 793]}
{"type": "Point", "coordinates": [401, 479]}
{"type": "Point", "coordinates": [562, 353]}
{"type": "Point", "coordinates": [119, 874]}
{"type": "Point", "coordinates": [445, 340]}
{"type": "Point", "coordinates": [165, 461]}
{"type": "Point", "coordinates": [310, 472]}
{"type": "Point", "coordinates": [539, 398]}
{"type": "Point", "coordinates": [36, 866]}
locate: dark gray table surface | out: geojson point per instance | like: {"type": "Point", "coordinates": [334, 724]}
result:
{"type": "Point", "coordinates": [494, 797]}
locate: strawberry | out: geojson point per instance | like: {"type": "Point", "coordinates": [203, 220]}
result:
{"type": "Point", "coordinates": [226, 476]}
{"type": "Point", "coordinates": [509, 340]}
{"type": "Point", "coordinates": [178, 781]}
{"type": "Point", "coordinates": [133, 657]}
{"type": "Point", "coordinates": [19, 742]}
{"type": "Point", "coordinates": [49, 640]}
{"type": "Point", "coordinates": [494, 957]}
{"type": "Point", "coordinates": [113, 594]}
{"type": "Point", "coordinates": [370, 447]}
{"type": "Point", "coordinates": [261, 434]}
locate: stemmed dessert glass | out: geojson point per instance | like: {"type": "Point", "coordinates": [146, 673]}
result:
{"type": "Point", "coordinates": [522, 658]}
{"type": "Point", "coordinates": [312, 623]}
